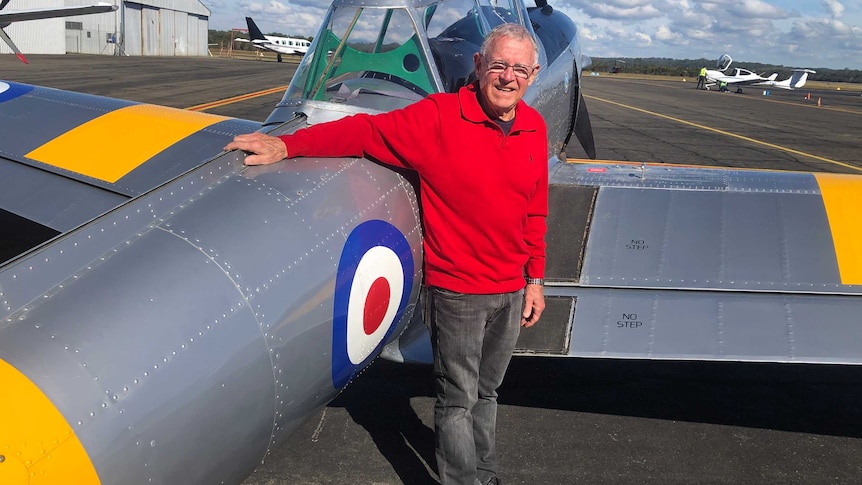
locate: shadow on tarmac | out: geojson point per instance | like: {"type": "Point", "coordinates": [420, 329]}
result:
{"type": "Point", "coordinates": [402, 438]}
{"type": "Point", "coordinates": [817, 399]}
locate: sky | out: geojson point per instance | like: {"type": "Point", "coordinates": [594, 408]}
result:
{"type": "Point", "coordinates": [793, 33]}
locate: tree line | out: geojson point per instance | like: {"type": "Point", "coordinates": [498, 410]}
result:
{"type": "Point", "coordinates": [691, 67]}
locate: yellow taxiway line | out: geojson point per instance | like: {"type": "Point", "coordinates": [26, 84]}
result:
{"type": "Point", "coordinates": [236, 99]}
{"type": "Point", "coordinates": [727, 133]}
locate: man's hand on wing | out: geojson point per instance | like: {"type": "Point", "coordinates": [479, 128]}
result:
{"type": "Point", "coordinates": [262, 149]}
{"type": "Point", "coordinates": [534, 305]}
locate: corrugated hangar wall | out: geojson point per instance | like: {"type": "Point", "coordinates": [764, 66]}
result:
{"type": "Point", "coordinates": [152, 28]}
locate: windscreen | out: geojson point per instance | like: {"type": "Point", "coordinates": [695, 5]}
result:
{"type": "Point", "coordinates": [363, 55]}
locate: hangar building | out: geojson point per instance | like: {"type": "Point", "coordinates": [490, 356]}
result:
{"type": "Point", "coordinates": [139, 28]}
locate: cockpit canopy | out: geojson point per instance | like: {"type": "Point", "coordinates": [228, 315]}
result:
{"type": "Point", "coordinates": [385, 54]}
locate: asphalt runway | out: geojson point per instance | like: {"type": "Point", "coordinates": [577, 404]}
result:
{"type": "Point", "coordinates": [574, 421]}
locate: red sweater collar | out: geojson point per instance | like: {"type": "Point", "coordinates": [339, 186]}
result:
{"type": "Point", "coordinates": [472, 111]}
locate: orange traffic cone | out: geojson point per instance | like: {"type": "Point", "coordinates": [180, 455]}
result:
{"type": "Point", "coordinates": [818, 101]}
{"type": "Point", "coordinates": [808, 96]}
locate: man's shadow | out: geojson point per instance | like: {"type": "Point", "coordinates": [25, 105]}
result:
{"type": "Point", "coordinates": [379, 400]}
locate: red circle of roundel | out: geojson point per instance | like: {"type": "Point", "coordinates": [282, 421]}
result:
{"type": "Point", "coordinates": [376, 303]}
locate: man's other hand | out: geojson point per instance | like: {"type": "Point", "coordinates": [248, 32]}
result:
{"type": "Point", "coordinates": [534, 305]}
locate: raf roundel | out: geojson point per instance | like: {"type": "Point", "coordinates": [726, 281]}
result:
{"type": "Point", "coordinates": [372, 287]}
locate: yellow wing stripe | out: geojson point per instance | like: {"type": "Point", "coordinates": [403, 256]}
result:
{"type": "Point", "coordinates": [37, 444]}
{"type": "Point", "coordinates": [114, 144]}
{"type": "Point", "coordinates": [842, 196]}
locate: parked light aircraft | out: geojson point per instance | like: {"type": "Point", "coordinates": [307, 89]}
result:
{"type": "Point", "coordinates": [168, 315]}
{"type": "Point", "coordinates": [274, 43]}
{"type": "Point", "coordinates": [743, 77]}
{"type": "Point", "coordinates": [9, 16]}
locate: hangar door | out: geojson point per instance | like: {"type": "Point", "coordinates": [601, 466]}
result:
{"type": "Point", "coordinates": [150, 30]}
{"type": "Point", "coordinates": [142, 30]}
{"type": "Point", "coordinates": [132, 24]}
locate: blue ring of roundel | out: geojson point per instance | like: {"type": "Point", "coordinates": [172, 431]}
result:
{"type": "Point", "coordinates": [365, 236]}
{"type": "Point", "coordinates": [13, 91]}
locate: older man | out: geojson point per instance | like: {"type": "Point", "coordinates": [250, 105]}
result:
{"type": "Point", "coordinates": [481, 155]}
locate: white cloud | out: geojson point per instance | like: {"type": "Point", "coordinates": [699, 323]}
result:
{"type": "Point", "coordinates": [790, 32]}
{"type": "Point", "coordinates": [644, 39]}
{"type": "Point", "coordinates": [835, 7]}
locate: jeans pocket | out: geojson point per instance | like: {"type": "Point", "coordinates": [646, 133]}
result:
{"type": "Point", "coordinates": [449, 294]}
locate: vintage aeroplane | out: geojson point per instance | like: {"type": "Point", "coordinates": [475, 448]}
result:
{"type": "Point", "coordinates": [168, 315]}
{"type": "Point", "coordinates": [743, 77]}
{"type": "Point", "coordinates": [274, 43]}
{"type": "Point", "coordinates": [7, 17]}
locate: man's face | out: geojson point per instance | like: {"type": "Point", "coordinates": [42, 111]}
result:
{"type": "Point", "coordinates": [501, 81]}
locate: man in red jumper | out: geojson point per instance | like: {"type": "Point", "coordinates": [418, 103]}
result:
{"type": "Point", "coordinates": [482, 159]}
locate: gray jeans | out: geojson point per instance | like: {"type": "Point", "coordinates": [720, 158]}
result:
{"type": "Point", "coordinates": [472, 337]}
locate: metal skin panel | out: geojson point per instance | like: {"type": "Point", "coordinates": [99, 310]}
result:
{"type": "Point", "coordinates": [137, 382]}
{"type": "Point", "coordinates": [226, 280]}
{"type": "Point", "coordinates": [755, 327]}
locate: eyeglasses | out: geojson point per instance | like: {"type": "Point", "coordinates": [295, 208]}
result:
{"type": "Point", "coordinates": [499, 67]}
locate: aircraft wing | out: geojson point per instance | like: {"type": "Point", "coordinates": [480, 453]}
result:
{"type": "Point", "coordinates": [659, 262]}
{"type": "Point", "coordinates": [46, 177]}
{"type": "Point", "coordinates": [735, 80]}
{"type": "Point", "coordinates": [9, 16]}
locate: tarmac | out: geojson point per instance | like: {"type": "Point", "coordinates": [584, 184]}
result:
{"type": "Point", "coordinates": [573, 421]}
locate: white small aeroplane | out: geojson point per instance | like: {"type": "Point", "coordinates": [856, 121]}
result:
{"type": "Point", "coordinates": [7, 17]}
{"type": "Point", "coordinates": [743, 77]}
{"type": "Point", "coordinates": [274, 43]}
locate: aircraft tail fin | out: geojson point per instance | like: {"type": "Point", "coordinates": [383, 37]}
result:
{"type": "Point", "coordinates": [796, 80]}
{"type": "Point", "coordinates": [773, 76]}
{"type": "Point", "coordinates": [253, 31]}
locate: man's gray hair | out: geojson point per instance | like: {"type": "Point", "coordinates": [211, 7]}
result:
{"type": "Point", "coordinates": [513, 31]}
